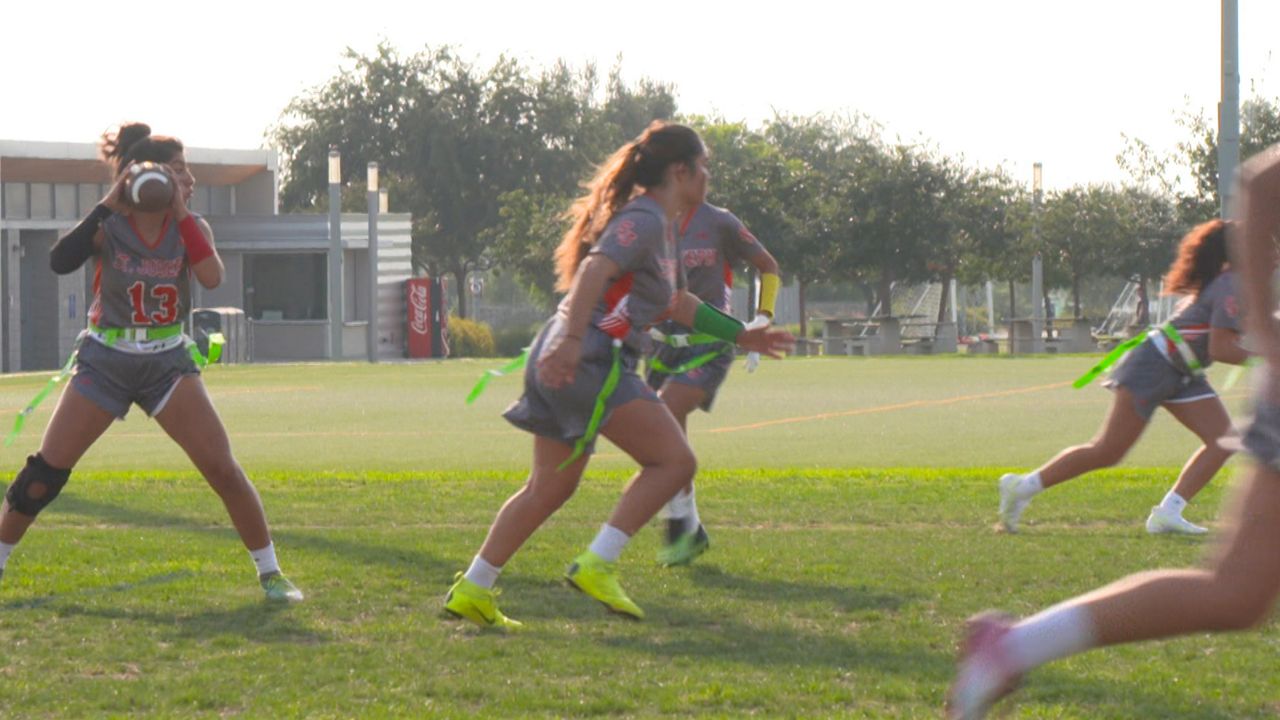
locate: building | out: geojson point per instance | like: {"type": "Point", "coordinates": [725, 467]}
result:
{"type": "Point", "coordinates": [276, 264]}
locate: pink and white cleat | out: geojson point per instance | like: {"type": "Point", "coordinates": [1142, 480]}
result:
{"type": "Point", "coordinates": [985, 673]}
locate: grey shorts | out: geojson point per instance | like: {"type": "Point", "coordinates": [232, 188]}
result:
{"type": "Point", "coordinates": [707, 377]}
{"type": "Point", "coordinates": [564, 413]}
{"type": "Point", "coordinates": [1154, 381]}
{"type": "Point", "coordinates": [1262, 437]}
{"type": "Point", "coordinates": [113, 380]}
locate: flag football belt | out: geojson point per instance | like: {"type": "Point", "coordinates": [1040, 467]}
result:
{"type": "Point", "coordinates": [678, 340]}
{"type": "Point", "coordinates": [514, 366]}
{"type": "Point", "coordinates": [1175, 338]}
{"type": "Point", "coordinates": [597, 411]}
{"type": "Point", "coordinates": [109, 337]}
{"type": "Point", "coordinates": [673, 340]}
{"type": "Point", "coordinates": [1156, 334]}
{"type": "Point", "coordinates": [113, 336]}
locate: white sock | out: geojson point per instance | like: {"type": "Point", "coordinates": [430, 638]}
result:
{"type": "Point", "coordinates": [5, 550]}
{"type": "Point", "coordinates": [1174, 503]}
{"type": "Point", "coordinates": [678, 507]}
{"type": "Point", "coordinates": [692, 520]}
{"type": "Point", "coordinates": [1058, 632]}
{"type": "Point", "coordinates": [1030, 485]}
{"type": "Point", "coordinates": [482, 573]}
{"type": "Point", "coordinates": [609, 542]}
{"type": "Point", "coordinates": [265, 559]}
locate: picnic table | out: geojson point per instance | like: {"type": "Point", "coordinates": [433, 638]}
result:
{"type": "Point", "coordinates": [875, 335]}
{"type": "Point", "coordinates": [1057, 335]}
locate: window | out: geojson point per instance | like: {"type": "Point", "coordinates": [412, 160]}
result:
{"type": "Point", "coordinates": [285, 286]}
{"type": "Point", "coordinates": [15, 201]}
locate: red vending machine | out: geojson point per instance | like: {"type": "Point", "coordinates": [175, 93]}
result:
{"type": "Point", "coordinates": [428, 321]}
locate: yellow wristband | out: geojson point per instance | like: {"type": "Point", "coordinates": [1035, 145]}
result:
{"type": "Point", "coordinates": [768, 292]}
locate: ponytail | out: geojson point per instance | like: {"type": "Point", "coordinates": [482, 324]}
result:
{"type": "Point", "coordinates": [641, 163]}
{"type": "Point", "coordinates": [133, 142]}
{"type": "Point", "coordinates": [1201, 255]}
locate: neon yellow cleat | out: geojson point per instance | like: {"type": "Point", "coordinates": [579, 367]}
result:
{"type": "Point", "coordinates": [469, 601]}
{"type": "Point", "coordinates": [278, 588]}
{"type": "Point", "coordinates": [684, 548]}
{"type": "Point", "coordinates": [592, 575]}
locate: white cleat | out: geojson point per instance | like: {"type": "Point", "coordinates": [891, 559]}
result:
{"type": "Point", "coordinates": [1011, 506]}
{"type": "Point", "coordinates": [1166, 521]}
{"type": "Point", "coordinates": [984, 674]}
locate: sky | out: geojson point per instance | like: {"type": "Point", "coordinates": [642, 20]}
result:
{"type": "Point", "coordinates": [999, 82]}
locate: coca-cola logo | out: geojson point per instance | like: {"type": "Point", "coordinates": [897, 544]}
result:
{"type": "Point", "coordinates": [418, 307]}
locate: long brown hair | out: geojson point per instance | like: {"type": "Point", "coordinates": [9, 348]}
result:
{"type": "Point", "coordinates": [133, 142]}
{"type": "Point", "coordinates": [641, 163]}
{"type": "Point", "coordinates": [1201, 255]}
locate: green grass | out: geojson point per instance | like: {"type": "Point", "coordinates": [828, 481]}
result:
{"type": "Point", "coordinates": [926, 412]}
{"type": "Point", "coordinates": [835, 586]}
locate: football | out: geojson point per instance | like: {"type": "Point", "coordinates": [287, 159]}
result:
{"type": "Point", "coordinates": [148, 187]}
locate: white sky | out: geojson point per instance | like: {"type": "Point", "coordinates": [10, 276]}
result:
{"type": "Point", "coordinates": [998, 81]}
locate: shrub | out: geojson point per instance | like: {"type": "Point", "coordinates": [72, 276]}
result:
{"type": "Point", "coordinates": [468, 338]}
{"type": "Point", "coordinates": [510, 340]}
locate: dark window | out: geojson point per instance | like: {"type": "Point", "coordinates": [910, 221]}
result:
{"type": "Point", "coordinates": [285, 286]}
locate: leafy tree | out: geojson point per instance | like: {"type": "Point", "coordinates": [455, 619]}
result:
{"type": "Point", "coordinates": [1189, 175]}
{"type": "Point", "coordinates": [1080, 227]}
{"type": "Point", "coordinates": [453, 140]}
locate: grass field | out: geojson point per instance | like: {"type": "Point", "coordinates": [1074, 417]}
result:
{"type": "Point", "coordinates": [850, 504]}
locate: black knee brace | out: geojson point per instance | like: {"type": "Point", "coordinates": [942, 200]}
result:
{"type": "Point", "coordinates": [36, 486]}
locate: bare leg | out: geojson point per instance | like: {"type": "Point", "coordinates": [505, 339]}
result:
{"type": "Point", "coordinates": [542, 494]}
{"type": "Point", "coordinates": [682, 400]}
{"type": "Point", "coordinates": [1235, 592]}
{"type": "Point", "coordinates": [651, 436]}
{"type": "Point", "coordinates": [548, 487]}
{"type": "Point", "coordinates": [191, 420]}
{"type": "Point", "coordinates": [1209, 420]}
{"type": "Point", "coordinates": [1119, 432]}
{"type": "Point", "coordinates": [77, 423]}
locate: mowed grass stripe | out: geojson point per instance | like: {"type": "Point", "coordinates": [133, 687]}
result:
{"type": "Point", "coordinates": [411, 417]}
{"type": "Point", "coordinates": [914, 404]}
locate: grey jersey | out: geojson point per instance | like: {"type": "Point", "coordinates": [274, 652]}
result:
{"type": "Point", "coordinates": [1214, 307]}
{"type": "Point", "coordinates": [138, 284]}
{"type": "Point", "coordinates": [713, 241]}
{"type": "Point", "coordinates": [640, 241]}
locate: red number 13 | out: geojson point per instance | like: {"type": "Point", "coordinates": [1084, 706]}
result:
{"type": "Point", "coordinates": [167, 295]}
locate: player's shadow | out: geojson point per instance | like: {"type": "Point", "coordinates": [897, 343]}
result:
{"type": "Point", "coordinates": [260, 622]}
{"type": "Point", "coordinates": [782, 590]}
{"type": "Point", "coordinates": [39, 601]}
{"type": "Point", "coordinates": [821, 643]}
{"type": "Point", "coordinates": [395, 556]}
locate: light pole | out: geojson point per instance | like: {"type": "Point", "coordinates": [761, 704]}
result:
{"type": "Point", "coordinates": [335, 254]}
{"type": "Point", "coordinates": [375, 203]}
{"type": "Point", "coordinates": [1229, 106]}
{"type": "Point", "coordinates": [1037, 266]}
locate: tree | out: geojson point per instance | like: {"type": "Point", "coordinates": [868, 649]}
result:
{"type": "Point", "coordinates": [816, 167]}
{"type": "Point", "coordinates": [453, 140]}
{"type": "Point", "coordinates": [526, 238]}
{"type": "Point", "coordinates": [987, 241]}
{"type": "Point", "coordinates": [1079, 228]}
{"type": "Point", "coordinates": [1189, 175]}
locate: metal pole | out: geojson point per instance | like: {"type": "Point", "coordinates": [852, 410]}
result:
{"type": "Point", "coordinates": [1229, 107]}
{"type": "Point", "coordinates": [991, 308]}
{"type": "Point", "coordinates": [1037, 304]}
{"type": "Point", "coordinates": [374, 204]}
{"type": "Point", "coordinates": [1037, 266]}
{"type": "Point", "coordinates": [335, 254]}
